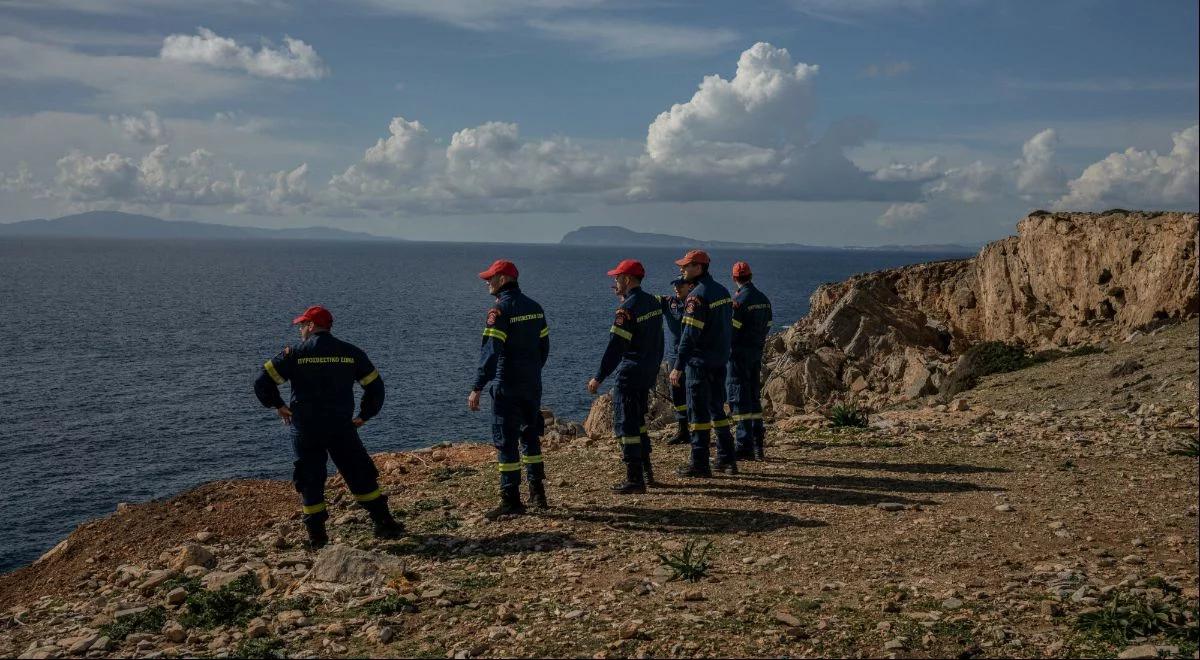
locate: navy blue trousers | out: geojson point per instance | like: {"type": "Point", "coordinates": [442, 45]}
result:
{"type": "Point", "coordinates": [313, 447]}
{"type": "Point", "coordinates": [745, 402]}
{"type": "Point", "coordinates": [517, 427]}
{"type": "Point", "coordinates": [706, 413]}
{"type": "Point", "coordinates": [629, 422]}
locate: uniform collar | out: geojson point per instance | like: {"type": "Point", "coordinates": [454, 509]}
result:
{"type": "Point", "coordinates": [511, 287]}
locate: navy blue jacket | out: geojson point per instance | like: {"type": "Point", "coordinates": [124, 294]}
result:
{"type": "Point", "coordinates": [635, 341]}
{"type": "Point", "coordinates": [707, 325]}
{"type": "Point", "coordinates": [672, 309]}
{"type": "Point", "coordinates": [751, 318]}
{"type": "Point", "coordinates": [516, 343]}
{"type": "Point", "coordinates": [322, 370]}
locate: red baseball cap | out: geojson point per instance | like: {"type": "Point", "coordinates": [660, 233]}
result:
{"type": "Point", "coordinates": [499, 267]}
{"type": "Point", "coordinates": [628, 267]}
{"type": "Point", "coordinates": [741, 270]}
{"type": "Point", "coordinates": [317, 314]}
{"type": "Point", "coordinates": [694, 257]}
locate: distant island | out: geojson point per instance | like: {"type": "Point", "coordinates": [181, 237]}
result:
{"type": "Point", "coordinates": [610, 236]}
{"type": "Point", "coordinates": [115, 224]}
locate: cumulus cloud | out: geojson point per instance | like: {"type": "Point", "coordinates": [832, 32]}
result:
{"type": "Point", "coordinates": [749, 138]}
{"type": "Point", "coordinates": [145, 128]}
{"type": "Point", "coordinates": [902, 215]}
{"type": "Point", "coordinates": [1140, 179]}
{"type": "Point", "coordinates": [296, 60]}
{"type": "Point", "coordinates": [923, 171]}
{"type": "Point", "coordinates": [1038, 175]}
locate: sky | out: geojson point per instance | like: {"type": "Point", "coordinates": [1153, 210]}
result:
{"type": "Point", "coordinates": [827, 122]}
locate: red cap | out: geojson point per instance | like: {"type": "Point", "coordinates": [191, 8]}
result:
{"type": "Point", "coordinates": [628, 267]}
{"type": "Point", "coordinates": [694, 257]}
{"type": "Point", "coordinates": [741, 270]}
{"type": "Point", "coordinates": [317, 314]}
{"type": "Point", "coordinates": [499, 267]}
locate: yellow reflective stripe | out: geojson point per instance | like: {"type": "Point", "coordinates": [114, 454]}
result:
{"type": "Point", "coordinates": [742, 418]}
{"type": "Point", "coordinates": [310, 509]}
{"type": "Point", "coordinates": [691, 321]}
{"type": "Point", "coordinates": [270, 368]}
{"type": "Point", "coordinates": [737, 324]}
{"type": "Point", "coordinates": [498, 334]}
{"type": "Point", "coordinates": [682, 408]}
{"type": "Point", "coordinates": [720, 423]}
{"type": "Point", "coordinates": [508, 467]}
{"type": "Point", "coordinates": [526, 317]}
{"type": "Point", "coordinates": [702, 426]}
{"type": "Point", "coordinates": [643, 430]}
{"type": "Point", "coordinates": [545, 332]}
{"type": "Point", "coordinates": [718, 303]}
{"type": "Point", "coordinates": [369, 378]}
{"type": "Point", "coordinates": [621, 333]}
{"type": "Point", "coordinates": [631, 440]}
{"type": "Point", "coordinates": [367, 497]}
{"type": "Point", "coordinates": [528, 460]}
{"type": "Point", "coordinates": [645, 317]}
{"type": "Point", "coordinates": [759, 306]}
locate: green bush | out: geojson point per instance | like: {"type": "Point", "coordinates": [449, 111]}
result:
{"type": "Point", "coordinates": [1126, 616]}
{"type": "Point", "coordinates": [1085, 349]}
{"type": "Point", "coordinates": [997, 357]}
{"type": "Point", "coordinates": [264, 647]}
{"type": "Point", "coordinates": [150, 620]}
{"type": "Point", "coordinates": [388, 605]}
{"type": "Point", "coordinates": [848, 415]}
{"type": "Point", "coordinates": [691, 564]}
{"type": "Point", "coordinates": [233, 604]}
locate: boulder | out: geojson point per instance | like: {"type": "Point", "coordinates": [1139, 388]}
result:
{"type": "Point", "coordinates": [192, 554]}
{"type": "Point", "coordinates": [346, 565]}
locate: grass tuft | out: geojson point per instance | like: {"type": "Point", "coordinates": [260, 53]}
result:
{"type": "Point", "coordinates": [265, 647]}
{"type": "Point", "coordinates": [848, 415]}
{"type": "Point", "coordinates": [233, 604]}
{"type": "Point", "coordinates": [150, 620]}
{"type": "Point", "coordinates": [1126, 616]}
{"type": "Point", "coordinates": [388, 605]}
{"type": "Point", "coordinates": [1189, 448]}
{"type": "Point", "coordinates": [691, 563]}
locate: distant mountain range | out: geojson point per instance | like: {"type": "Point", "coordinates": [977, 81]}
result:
{"type": "Point", "coordinates": [620, 236]}
{"type": "Point", "coordinates": [114, 224]}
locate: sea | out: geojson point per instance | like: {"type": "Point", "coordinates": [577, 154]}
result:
{"type": "Point", "coordinates": [129, 364]}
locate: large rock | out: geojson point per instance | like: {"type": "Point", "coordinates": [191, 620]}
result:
{"type": "Point", "coordinates": [661, 413]}
{"type": "Point", "coordinates": [1065, 278]}
{"type": "Point", "coordinates": [192, 554]}
{"type": "Point", "coordinates": [346, 565]}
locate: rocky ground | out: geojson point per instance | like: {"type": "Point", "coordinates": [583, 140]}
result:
{"type": "Point", "coordinates": [1012, 522]}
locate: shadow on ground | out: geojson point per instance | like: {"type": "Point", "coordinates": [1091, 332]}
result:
{"type": "Point", "coordinates": [742, 490]}
{"type": "Point", "coordinates": [856, 482]}
{"type": "Point", "coordinates": [918, 468]}
{"type": "Point", "coordinates": [688, 520]}
{"type": "Point", "coordinates": [442, 545]}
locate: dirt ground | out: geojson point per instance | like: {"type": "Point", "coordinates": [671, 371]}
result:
{"type": "Point", "coordinates": [981, 528]}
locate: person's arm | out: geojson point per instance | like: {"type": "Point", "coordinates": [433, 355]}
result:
{"type": "Point", "coordinates": [495, 334]}
{"type": "Point", "coordinates": [368, 377]}
{"type": "Point", "coordinates": [619, 336]}
{"type": "Point", "coordinates": [740, 316]}
{"type": "Point", "coordinates": [544, 342]}
{"type": "Point", "coordinates": [695, 313]}
{"type": "Point", "coordinates": [275, 372]}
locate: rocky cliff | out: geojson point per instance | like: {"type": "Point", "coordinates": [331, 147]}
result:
{"type": "Point", "coordinates": [1065, 278]}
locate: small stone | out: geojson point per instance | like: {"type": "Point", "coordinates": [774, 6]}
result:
{"type": "Point", "coordinates": [952, 603]}
{"type": "Point", "coordinates": [786, 618]}
{"type": "Point", "coordinates": [81, 646]}
{"type": "Point", "coordinates": [893, 645]}
{"type": "Point", "coordinates": [385, 634]}
{"type": "Point", "coordinates": [176, 596]}
{"type": "Point", "coordinates": [204, 537]}
{"type": "Point", "coordinates": [336, 630]}
{"type": "Point", "coordinates": [1057, 524]}
{"type": "Point", "coordinates": [573, 614]}
{"type": "Point", "coordinates": [692, 595]}
{"type": "Point", "coordinates": [192, 554]}
{"type": "Point", "coordinates": [959, 405]}
{"type": "Point", "coordinates": [1141, 651]}
{"type": "Point", "coordinates": [629, 630]}
{"type": "Point", "coordinates": [1133, 559]}
{"type": "Point", "coordinates": [174, 632]}
{"type": "Point", "coordinates": [257, 628]}
{"type": "Point", "coordinates": [1138, 543]}
{"type": "Point", "coordinates": [505, 614]}
{"type": "Point", "coordinates": [1005, 508]}
{"type": "Point", "coordinates": [890, 506]}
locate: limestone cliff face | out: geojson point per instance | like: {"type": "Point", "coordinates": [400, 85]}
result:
{"type": "Point", "coordinates": [1065, 278]}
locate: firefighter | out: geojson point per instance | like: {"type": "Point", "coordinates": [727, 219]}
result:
{"type": "Point", "coordinates": [634, 353]}
{"type": "Point", "coordinates": [703, 355]}
{"type": "Point", "coordinates": [751, 323]}
{"type": "Point", "coordinates": [672, 308]}
{"type": "Point", "coordinates": [516, 343]}
{"type": "Point", "coordinates": [322, 370]}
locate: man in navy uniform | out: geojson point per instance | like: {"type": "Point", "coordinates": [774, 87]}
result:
{"type": "Point", "coordinates": [516, 343]}
{"type": "Point", "coordinates": [634, 353]}
{"type": "Point", "coordinates": [322, 370]}
{"type": "Point", "coordinates": [751, 323]}
{"type": "Point", "coordinates": [703, 355]}
{"type": "Point", "coordinates": [672, 307]}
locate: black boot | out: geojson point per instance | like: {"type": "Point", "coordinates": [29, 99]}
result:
{"type": "Point", "coordinates": [745, 454]}
{"type": "Point", "coordinates": [682, 435]}
{"type": "Point", "coordinates": [537, 495]}
{"type": "Point", "coordinates": [648, 471]}
{"type": "Point", "coordinates": [690, 470]}
{"type": "Point", "coordinates": [386, 526]}
{"type": "Point", "coordinates": [317, 538]}
{"type": "Point", "coordinates": [510, 504]}
{"type": "Point", "coordinates": [759, 454]}
{"type": "Point", "coordinates": [728, 467]}
{"type": "Point", "coordinates": [633, 484]}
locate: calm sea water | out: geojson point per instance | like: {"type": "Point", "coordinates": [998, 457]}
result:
{"type": "Point", "coordinates": [128, 364]}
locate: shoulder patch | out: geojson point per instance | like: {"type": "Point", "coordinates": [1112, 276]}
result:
{"type": "Point", "coordinates": [623, 317]}
{"type": "Point", "coordinates": [493, 316]}
{"type": "Point", "coordinates": [692, 304]}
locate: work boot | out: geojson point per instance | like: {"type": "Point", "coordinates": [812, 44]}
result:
{"type": "Point", "coordinates": [682, 435]}
{"type": "Point", "coordinates": [510, 505]}
{"type": "Point", "coordinates": [745, 454]}
{"type": "Point", "coordinates": [386, 526]}
{"type": "Point", "coordinates": [317, 538]}
{"type": "Point", "coordinates": [729, 467]}
{"type": "Point", "coordinates": [689, 470]}
{"type": "Point", "coordinates": [537, 495]}
{"type": "Point", "coordinates": [633, 483]}
{"type": "Point", "coordinates": [759, 454]}
{"type": "Point", "coordinates": [649, 473]}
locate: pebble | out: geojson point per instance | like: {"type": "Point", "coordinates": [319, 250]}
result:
{"type": "Point", "coordinates": [952, 603]}
{"type": "Point", "coordinates": [573, 614]}
{"type": "Point", "coordinates": [385, 634]}
{"type": "Point", "coordinates": [1133, 559]}
{"type": "Point", "coordinates": [786, 619]}
{"type": "Point", "coordinates": [1005, 508]}
{"type": "Point", "coordinates": [893, 645]}
{"type": "Point", "coordinates": [176, 596]}
{"type": "Point", "coordinates": [204, 537]}
{"type": "Point", "coordinates": [890, 506]}
{"type": "Point", "coordinates": [174, 632]}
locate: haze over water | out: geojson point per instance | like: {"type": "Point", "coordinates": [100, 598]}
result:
{"type": "Point", "coordinates": [130, 363]}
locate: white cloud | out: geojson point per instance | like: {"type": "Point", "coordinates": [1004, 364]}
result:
{"type": "Point", "coordinates": [479, 14]}
{"type": "Point", "coordinates": [889, 69]}
{"type": "Point", "coordinates": [146, 128]}
{"type": "Point", "coordinates": [902, 214]}
{"type": "Point", "coordinates": [1038, 175]}
{"type": "Point", "coordinates": [620, 39]}
{"type": "Point", "coordinates": [1140, 179]}
{"type": "Point", "coordinates": [295, 61]}
{"type": "Point", "coordinates": [923, 171]}
{"type": "Point", "coordinates": [749, 138]}
{"type": "Point", "coordinates": [845, 11]}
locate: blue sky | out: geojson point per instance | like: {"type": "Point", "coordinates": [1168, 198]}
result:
{"type": "Point", "coordinates": [820, 121]}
